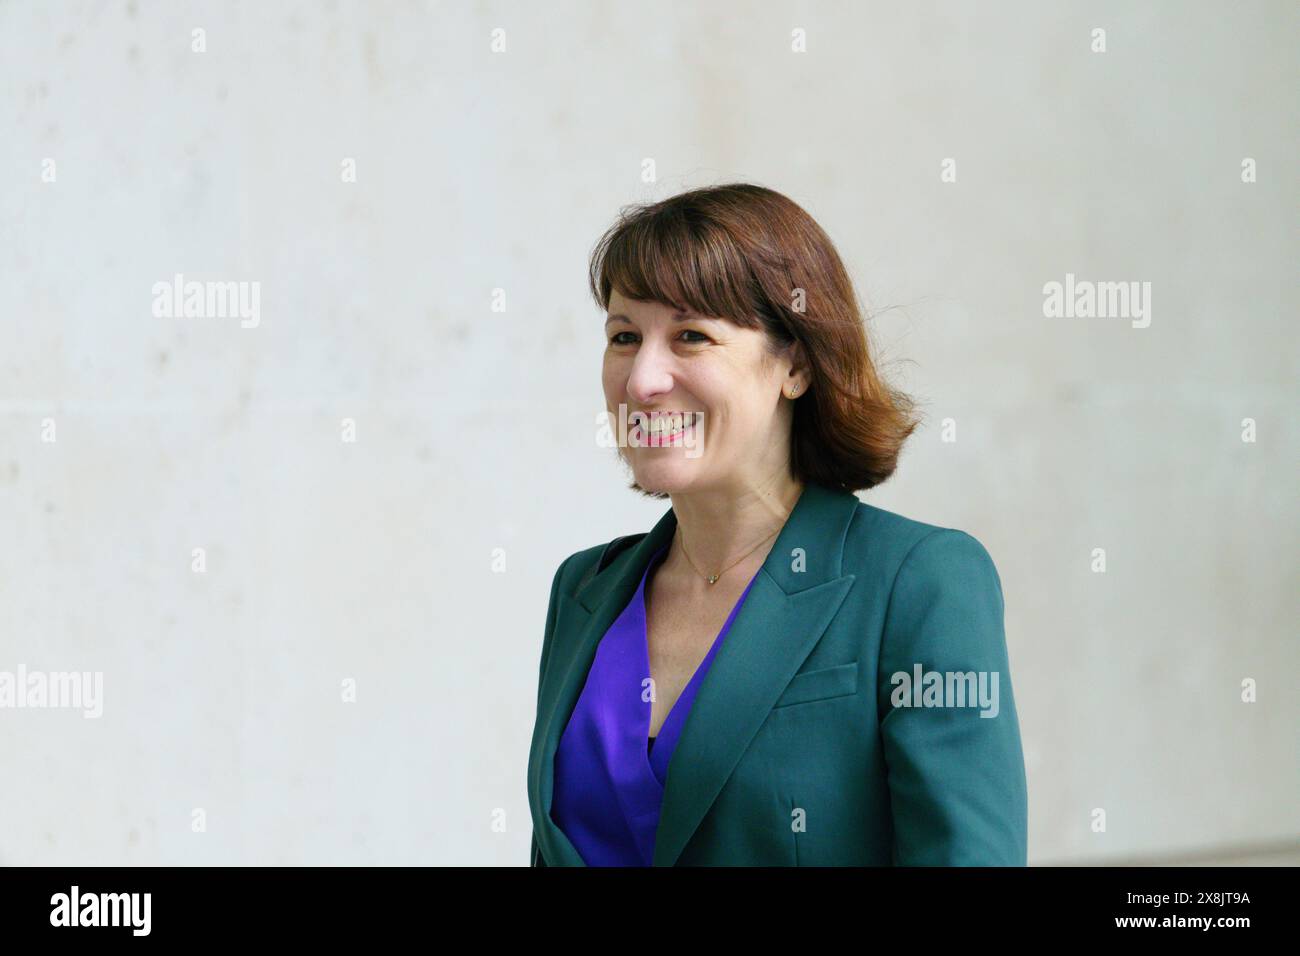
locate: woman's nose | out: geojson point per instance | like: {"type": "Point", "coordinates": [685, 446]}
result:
{"type": "Point", "coordinates": [651, 375]}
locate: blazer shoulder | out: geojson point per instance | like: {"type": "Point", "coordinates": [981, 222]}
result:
{"type": "Point", "coordinates": [582, 566]}
{"type": "Point", "coordinates": [573, 568]}
{"type": "Point", "coordinates": [878, 537]}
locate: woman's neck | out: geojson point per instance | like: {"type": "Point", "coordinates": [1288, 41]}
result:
{"type": "Point", "coordinates": [717, 528]}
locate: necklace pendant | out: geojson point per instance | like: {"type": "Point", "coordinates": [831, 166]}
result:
{"type": "Point", "coordinates": [713, 578]}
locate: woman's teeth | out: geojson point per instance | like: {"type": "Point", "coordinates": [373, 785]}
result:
{"type": "Point", "coordinates": [667, 424]}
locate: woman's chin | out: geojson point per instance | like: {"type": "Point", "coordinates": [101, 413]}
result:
{"type": "Point", "coordinates": [664, 479]}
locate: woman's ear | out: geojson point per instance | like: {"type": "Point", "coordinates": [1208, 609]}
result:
{"type": "Point", "coordinates": [798, 378]}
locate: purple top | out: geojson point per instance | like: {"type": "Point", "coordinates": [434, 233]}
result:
{"type": "Point", "coordinates": [609, 782]}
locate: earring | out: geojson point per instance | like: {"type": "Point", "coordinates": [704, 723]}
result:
{"type": "Point", "coordinates": [794, 391]}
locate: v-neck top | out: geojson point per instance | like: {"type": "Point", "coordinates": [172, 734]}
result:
{"type": "Point", "coordinates": [609, 773]}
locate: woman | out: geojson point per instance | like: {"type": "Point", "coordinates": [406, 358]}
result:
{"type": "Point", "coordinates": [776, 673]}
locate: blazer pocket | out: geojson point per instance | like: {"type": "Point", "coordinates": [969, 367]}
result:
{"type": "Point", "coordinates": [824, 684]}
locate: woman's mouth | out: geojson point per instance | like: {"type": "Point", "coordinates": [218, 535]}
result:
{"type": "Point", "coordinates": [662, 428]}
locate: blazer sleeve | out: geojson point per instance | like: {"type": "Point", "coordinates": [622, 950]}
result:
{"type": "Point", "coordinates": [534, 854]}
{"type": "Point", "coordinates": [956, 779]}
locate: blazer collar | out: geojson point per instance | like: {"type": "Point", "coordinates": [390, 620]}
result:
{"type": "Point", "coordinates": [795, 595]}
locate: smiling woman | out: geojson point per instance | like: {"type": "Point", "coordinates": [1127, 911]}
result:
{"type": "Point", "coordinates": [719, 689]}
{"type": "Point", "coordinates": [731, 280]}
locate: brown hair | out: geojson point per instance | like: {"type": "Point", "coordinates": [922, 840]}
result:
{"type": "Point", "coordinates": [744, 252]}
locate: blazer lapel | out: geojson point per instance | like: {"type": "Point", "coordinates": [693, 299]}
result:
{"type": "Point", "coordinates": [580, 623]}
{"type": "Point", "coordinates": [794, 598]}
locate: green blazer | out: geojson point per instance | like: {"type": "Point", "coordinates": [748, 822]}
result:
{"type": "Point", "coordinates": [804, 745]}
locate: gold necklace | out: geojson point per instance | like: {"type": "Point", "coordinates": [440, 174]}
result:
{"type": "Point", "coordinates": [713, 578]}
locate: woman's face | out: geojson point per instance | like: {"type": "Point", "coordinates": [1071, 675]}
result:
{"type": "Point", "coordinates": [658, 360]}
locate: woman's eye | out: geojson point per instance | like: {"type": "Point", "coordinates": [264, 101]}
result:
{"type": "Point", "coordinates": [617, 339]}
